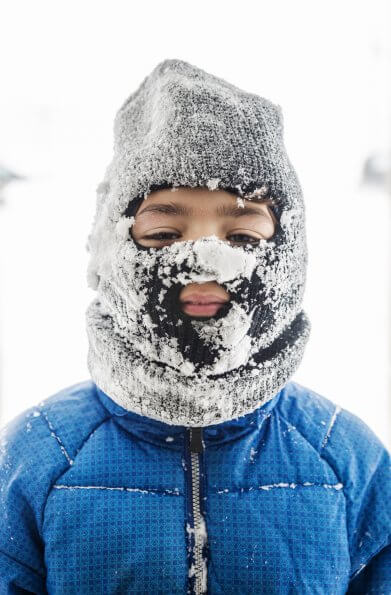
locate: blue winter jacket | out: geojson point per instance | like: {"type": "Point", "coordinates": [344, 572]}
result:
{"type": "Point", "coordinates": [95, 499]}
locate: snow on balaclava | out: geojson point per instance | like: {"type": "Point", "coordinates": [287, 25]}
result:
{"type": "Point", "coordinates": [185, 127]}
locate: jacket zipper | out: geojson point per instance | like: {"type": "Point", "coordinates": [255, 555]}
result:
{"type": "Point", "coordinates": [196, 447]}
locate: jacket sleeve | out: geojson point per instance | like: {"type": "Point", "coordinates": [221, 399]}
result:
{"type": "Point", "coordinates": [375, 577]}
{"type": "Point", "coordinates": [22, 567]}
{"type": "Point", "coordinates": [363, 465]}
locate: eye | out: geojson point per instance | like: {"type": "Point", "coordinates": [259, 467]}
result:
{"type": "Point", "coordinates": [162, 235]}
{"type": "Point", "coordinates": [242, 238]}
{"type": "Point", "coordinates": [237, 238]}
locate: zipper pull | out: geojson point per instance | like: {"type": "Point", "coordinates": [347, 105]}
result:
{"type": "Point", "coordinates": [196, 439]}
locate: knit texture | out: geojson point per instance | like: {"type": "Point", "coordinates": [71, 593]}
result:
{"type": "Point", "coordinates": [186, 127]}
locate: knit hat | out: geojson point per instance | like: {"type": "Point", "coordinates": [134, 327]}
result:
{"type": "Point", "coordinates": [185, 127]}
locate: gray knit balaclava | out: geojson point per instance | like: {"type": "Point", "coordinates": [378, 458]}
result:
{"type": "Point", "coordinates": [184, 127]}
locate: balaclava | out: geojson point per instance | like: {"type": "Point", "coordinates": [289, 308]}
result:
{"type": "Point", "coordinates": [185, 127]}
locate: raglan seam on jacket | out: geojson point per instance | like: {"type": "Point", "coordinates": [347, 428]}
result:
{"type": "Point", "coordinates": [323, 447]}
{"type": "Point", "coordinates": [53, 433]}
{"type": "Point", "coordinates": [317, 451]}
{"type": "Point", "coordinates": [337, 410]}
{"type": "Point", "coordinates": [347, 499]}
{"type": "Point", "coordinates": [101, 422]}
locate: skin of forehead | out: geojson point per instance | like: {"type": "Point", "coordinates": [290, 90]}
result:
{"type": "Point", "coordinates": [196, 195]}
{"type": "Point", "coordinates": [198, 199]}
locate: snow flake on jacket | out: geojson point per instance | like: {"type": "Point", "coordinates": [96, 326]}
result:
{"type": "Point", "coordinates": [95, 499]}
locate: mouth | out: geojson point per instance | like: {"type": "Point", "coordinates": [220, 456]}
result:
{"type": "Point", "coordinates": [202, 305]}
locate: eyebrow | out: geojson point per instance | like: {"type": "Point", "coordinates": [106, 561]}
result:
{"type": "Point", "coordinates": [223, 210]}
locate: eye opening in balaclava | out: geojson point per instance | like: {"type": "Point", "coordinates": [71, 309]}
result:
{"type": "Point", "coordinates": [259, 196]}
{"type": "Point", "coordinates": [250, 193]}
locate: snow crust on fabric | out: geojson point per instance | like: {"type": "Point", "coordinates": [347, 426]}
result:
{"type": "Point", "coordinates": [186, 127]}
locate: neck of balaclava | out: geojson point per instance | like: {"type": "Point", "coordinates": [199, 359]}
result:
{"type": "Point", "coordinates": [179, 396]}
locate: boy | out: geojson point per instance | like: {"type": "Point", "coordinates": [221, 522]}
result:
{"type": "Point", "coordinates": [189, 462]}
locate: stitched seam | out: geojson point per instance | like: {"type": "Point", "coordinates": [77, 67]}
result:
{"type": "Point", "coordinates": [336, 486]}
{"type": "Point", "coordinates": [65, 470]}
{"type": "Point", "coordinates": [313, 448]}
{"type": "Point", "coordinates": [339, 479]}
{"type": "Point", "coordinates": [337, 410]}
{"type": "Point", "coordinates": [173, 492]}
{"type": "Point", "coordinates": [53, 433]}
{"type": "Point", "coordinates": [33, 570]}
{"type": "Point", "coordinates": [323, 445]}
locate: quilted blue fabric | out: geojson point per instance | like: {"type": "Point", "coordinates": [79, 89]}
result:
{"type": "Point", "coordinates": [95, 499]}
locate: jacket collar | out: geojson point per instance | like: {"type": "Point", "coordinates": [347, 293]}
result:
{"type": "Point", "coordinates": [173, 436]}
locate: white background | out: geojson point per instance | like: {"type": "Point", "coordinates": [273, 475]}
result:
{"type": "Point", "coordinates": [67, 67]}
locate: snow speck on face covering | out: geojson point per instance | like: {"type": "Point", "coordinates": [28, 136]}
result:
{"type": "Point", "coordinates": [123, 226]}
{"type": "Point", "coordinates": [213, 183]}
{"type": "Point", "coordinates": [147, 361]}
{"type": "Point", "coordinates": [210, 259]}
{"type": "Point", "coordinates": [227, 332]}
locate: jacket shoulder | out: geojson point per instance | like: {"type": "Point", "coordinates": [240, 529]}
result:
{"type": "Point", "coordinates": [358, 458]}
{"type": "Point", "coordinates": [73, 413]}
{"type": "Point", "coordinates": [363, 464]}
{"type": "Point", "coordinates": [338, 434]}
{"type": "Point", "coordinates": [40, 443]}
{"type": "Point", "coordinates": [36, 447]}
{"type": "Point", "coordinates": [310, 412]}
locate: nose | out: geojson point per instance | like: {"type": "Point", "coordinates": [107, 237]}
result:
{"type": "Point", "coordinates": [203, 226]}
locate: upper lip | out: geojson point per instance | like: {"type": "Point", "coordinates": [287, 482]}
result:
{"type": "Point", "coordinates": [197, 298]}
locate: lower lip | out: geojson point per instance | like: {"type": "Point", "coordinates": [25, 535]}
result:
{"type": "Point", "coordinates": [202, 309]}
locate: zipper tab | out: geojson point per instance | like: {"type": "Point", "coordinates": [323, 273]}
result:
{"type": "Point", "coordinates": [196, 439]}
